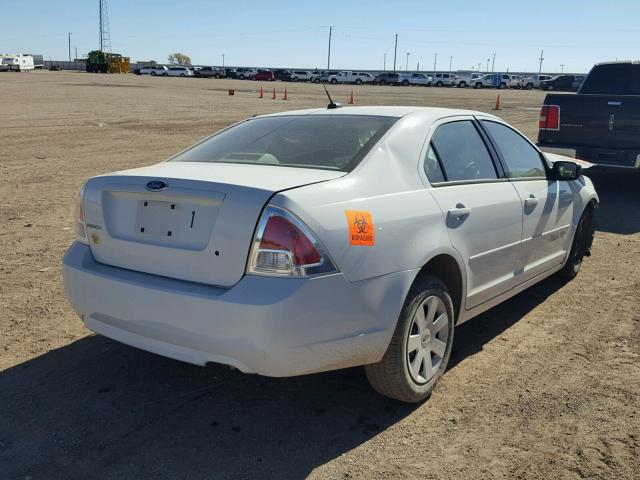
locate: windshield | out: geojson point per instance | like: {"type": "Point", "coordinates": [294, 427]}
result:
{"type": "Point", "coordinates": [331, 142]}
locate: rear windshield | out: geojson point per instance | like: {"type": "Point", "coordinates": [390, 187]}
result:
{"type": "Point", "coordinates": [329, 142]}
{"type": "Point", "coordinates": [613, 79]}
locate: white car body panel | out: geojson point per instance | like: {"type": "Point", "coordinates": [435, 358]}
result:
{"type": "Point", "coordinates": [227, 200]}
{"type": "Point", "coordinates": [174, 297]}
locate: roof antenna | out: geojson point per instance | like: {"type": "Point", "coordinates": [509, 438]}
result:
{"type": "Point", "coordinates": [332, 104]}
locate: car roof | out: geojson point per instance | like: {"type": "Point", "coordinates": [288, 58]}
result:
{"type": "Point", "coordinates": [430, 113]}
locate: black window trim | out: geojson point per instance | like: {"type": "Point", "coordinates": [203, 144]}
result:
{"type": "Point", "coordinates": [497, 165]}
{"type": "Point", "coordinates": [501, 159]}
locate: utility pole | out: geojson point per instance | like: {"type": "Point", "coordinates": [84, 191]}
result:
{"type": "Point", "coordinates": [76, 53]}
{"type": "Point", "coordinates": [418, 67]}
{"type": "Point", "coordinates": [493, 64]}
{"type": "Point", "coordinates": [450, 63]}
{"type": "Point", "coordinates": [479, 66]}
{"type": "Point", "coordinates": [101, 24]}
{"type": "Point", "coordinates": [562, 68]}
{"type": "Point", "coordinates": [406, 65]}
{"type": "Point", "coordinates": [435, 62]}
{"type": "Point", "coordinates": [329, 52]}
{"type": "Point", "coordinates": [488, 60]}
{"type": "Point", "coordinates": [395, 53]}
{"type": "Point", "coordinates": [223, 60]}
{"type": "Point", "coordinates": [69, 46]}
{"type": "Point", "coordinates": [541, 59]}
{"type": "Point", "coordinates": [384, 62]}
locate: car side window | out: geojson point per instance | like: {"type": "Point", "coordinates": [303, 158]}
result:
{"type": "Point", "coordinates": [432, 166]}
{"type": "Point", "coordinates": [462, 152]}
{"type": "Point", "coordinates": [522, 160]}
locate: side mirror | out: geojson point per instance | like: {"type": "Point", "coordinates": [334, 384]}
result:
{"type": "Point", "coordinates": [564, 170]}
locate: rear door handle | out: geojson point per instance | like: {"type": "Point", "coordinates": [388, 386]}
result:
{"type": "Point", "coordinates": [459, 212]}
{"type": "Point", "coordinates": [531, 202]}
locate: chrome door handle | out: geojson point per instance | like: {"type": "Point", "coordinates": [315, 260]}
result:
{"type": "Point", "coordinates": [459, 212]}
{"type": "Point", "coordinates": [530, 202]}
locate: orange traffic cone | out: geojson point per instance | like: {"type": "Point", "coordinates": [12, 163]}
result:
{"type": "Point", "coordinates": [261, 93]}
{"type": "Point", "coordinates": [498, 106]}
{"type": "Point", "coordinates": [286, 96]}
{"type": "Point", "coordinates": [273, 97]}
{"type": "Point", "coordinates": [351, 100]}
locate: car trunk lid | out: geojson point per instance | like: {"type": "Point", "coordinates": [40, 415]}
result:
{"type": "Point", "coordinates": [198, 228]}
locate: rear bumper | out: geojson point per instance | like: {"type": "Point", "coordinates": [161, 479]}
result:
{"type": "Point", "coordinates": [270, 326]}
{"type": "Point", "coordinates": [605, 157]}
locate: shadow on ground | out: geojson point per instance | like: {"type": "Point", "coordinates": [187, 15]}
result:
{"type": "Point", "coordinates": [96, 408]}
{"type": "Point", "coordinates": [619, 194]}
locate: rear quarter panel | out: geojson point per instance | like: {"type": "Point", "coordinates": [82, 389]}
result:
{"type": "Point", "coordinates": [408, 224]}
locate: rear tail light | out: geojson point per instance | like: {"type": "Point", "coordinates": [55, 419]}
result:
{"type": "Point", "coordinates": [550, 117]}
{"type": "Point", "coordinates": [79, 220]}
{"type": "Point", "coordinates": [284, 246]}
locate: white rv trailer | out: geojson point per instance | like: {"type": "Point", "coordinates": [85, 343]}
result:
{"type": "Point", "coordinates": [17, 62]}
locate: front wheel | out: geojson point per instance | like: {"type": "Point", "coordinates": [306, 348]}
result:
{"type": "Point", "coordinates": [529, 86]}
{"type": "Point", "coordinates": [439, 84]}
{"type": "Point", "coordinates": [420, 348]}
{"type": "Point", "coordinates": [581, 245]}
{"type": "Point", "coordinates": [405, 82]}
{"type": "Point", "coordinates": [358, 81]}
{"type": "Point", "coordinates": [334, 81]}
{"type": "Point", "coordinates": [477, 85]}
{"type": "Point", "coordinates": [462, 85]}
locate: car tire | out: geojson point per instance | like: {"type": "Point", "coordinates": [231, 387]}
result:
{"type": "Point", "coordinates": [153, 74]}
{"type": "Point", "coordinates": [296, 79]}
{"type": "Point", "coordinates": [383, 82]}
{"type": "Point", "coordinates": [182, 74]}
{"type": "Point", "coordinates": [477, 85]}
{"type": "Point", "coordinates": [316, 80]}
{"type": "Point", "coordinates": [405, 82]}
{"type": "Point", "coordinates": [333, 81]}
{"type": "Point", "coordinates": [581, 245]}
{"type": "Point", "coordinates": [502, 86]}
{"type": "Point", "coordinates": [550, 88]}
{"type": "Point", "coordinates": [529, 86]}
{"type": "Point", "coordinates": [439, 84]}
{"type": "Point", "coordinates": [462, 85]}
{"type": "Point", "coordinates": [407, 374]}
{"type": "Point", "coordinates": [358, 81]}
{"type": "Point", "coordinates": [165, 74]}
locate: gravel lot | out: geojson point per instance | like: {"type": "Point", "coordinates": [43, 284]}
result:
{"type": "Point", "coordinates": [544, 386]}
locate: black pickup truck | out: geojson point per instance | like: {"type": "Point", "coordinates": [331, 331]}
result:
{"type": "Point", "coordinates": [599, 124]}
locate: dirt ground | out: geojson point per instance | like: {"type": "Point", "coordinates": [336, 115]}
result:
{"type": "Point", "coordinates": [544, 386]}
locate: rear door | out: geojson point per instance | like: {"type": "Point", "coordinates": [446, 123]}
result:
{"type": "Point", "coordinates": [482, 210]}
{"type": "Point", "coordinates": [547, 205]}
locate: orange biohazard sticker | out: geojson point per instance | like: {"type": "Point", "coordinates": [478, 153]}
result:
{"type": "Point", "coordinates": [361, 229]}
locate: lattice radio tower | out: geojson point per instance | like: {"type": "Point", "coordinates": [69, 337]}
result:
{"type": "Point", "coordinates": [105, 37]}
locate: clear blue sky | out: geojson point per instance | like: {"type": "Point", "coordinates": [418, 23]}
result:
{"type": "Point", "coordinates": [281, 33]}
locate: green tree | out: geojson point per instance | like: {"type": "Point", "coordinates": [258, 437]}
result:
{"type": "Point", "coordinates": [179, 59]}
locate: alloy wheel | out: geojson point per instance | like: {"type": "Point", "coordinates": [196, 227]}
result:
{"type": "Point", "coordinates": [427, 339]}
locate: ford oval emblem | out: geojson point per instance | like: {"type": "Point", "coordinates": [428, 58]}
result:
{"type": "Point", "coordinates": [156, 185]}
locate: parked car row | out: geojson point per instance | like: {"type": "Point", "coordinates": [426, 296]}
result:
{"type": "Point", "coordinates": [439, 79]}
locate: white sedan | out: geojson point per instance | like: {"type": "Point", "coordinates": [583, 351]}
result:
{"type": "Point", "coordinates": [314, 240]}
{"type": "Point", "coordinates": [179, 72]}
